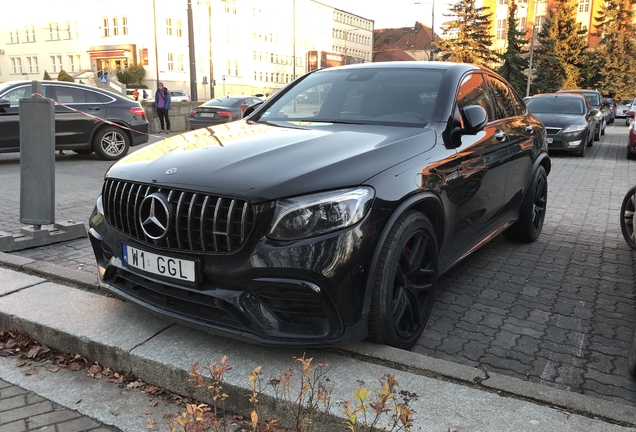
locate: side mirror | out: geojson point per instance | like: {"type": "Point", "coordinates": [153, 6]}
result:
{"type": "Point", "coordinates": [250, 109]}
{"type": "Point", "coordinates": [629, 114]}
{"type": "Point", "coordinates": [4, 103]}
{"type": "Point", "coordinates": [475, 119]}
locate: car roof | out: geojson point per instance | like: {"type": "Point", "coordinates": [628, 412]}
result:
{"type": "Point", "coordinates": [8, 84]}
{"type": "Point", "coordinates": [560, 95]}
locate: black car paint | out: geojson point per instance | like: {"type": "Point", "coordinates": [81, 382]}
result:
{"type": "Point", "coordinates": [73, 130]}
{"type": "Point", "coordinates": [462, 183]}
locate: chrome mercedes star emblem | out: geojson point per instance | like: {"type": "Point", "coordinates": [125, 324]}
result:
{"type": "Point", "coordinates": [171, 171]}
{"type": "Point", "coordinates": [154, 216]}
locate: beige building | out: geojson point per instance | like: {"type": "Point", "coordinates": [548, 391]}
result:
{"type": "Point", "coordinates": [240, 46]}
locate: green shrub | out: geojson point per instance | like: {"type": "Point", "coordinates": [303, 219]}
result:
{"type": "Point", "coordinates": [63, 76]}
{"type": "Point", "coordinates": [47, 77]}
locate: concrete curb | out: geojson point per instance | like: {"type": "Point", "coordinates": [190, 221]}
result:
{"type": "Point", "coordinates": [127, 338]}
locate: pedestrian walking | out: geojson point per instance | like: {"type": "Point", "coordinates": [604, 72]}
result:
{"type": "Point", "coordinates": [136, 94]}
{"type": "Point", "coordinates": [145, 95]}
{"type": "Point", "coordinates": [163, 105]}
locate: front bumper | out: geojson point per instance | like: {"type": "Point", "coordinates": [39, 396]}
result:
{"type": "Point", "coordinates": [568, 142]}
{"type": "Point", "coordinates": [308, 293]}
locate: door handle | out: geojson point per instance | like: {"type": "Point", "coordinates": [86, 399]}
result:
{"type": "Point", "coordinates": [93, 108]}
{"type": "Point", "coordinates": [500, 135]}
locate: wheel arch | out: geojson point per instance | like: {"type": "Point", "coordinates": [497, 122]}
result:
{"type": "Point", "coordinates": [426, 203]}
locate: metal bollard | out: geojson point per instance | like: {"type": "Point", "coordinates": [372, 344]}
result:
{"type": "Point", "coordinates": [37, 159]}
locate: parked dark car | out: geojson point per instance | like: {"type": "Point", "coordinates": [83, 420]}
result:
{"type": "Point", "coordinates": [628, 208]}
{"type": "Point", "coordinates": [569, 120]}
{"type": "Point", "coordinates": [610, 106]}
{"type": "Point", "coordinates": [322, 225]}
{"type": "Point", "coordinates": [84, 132]}
{"type": "Point", "coordinates": [221, 110]}
{"type": "Point", "coordinates": [596, 100]}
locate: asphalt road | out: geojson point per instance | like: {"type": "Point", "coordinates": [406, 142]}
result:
{"type": "Point", "coordinates": [560, 311]}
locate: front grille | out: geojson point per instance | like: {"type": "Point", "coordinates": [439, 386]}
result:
{"type": "Point", "coordinates": [552, 131]}
{"type": "Point", "coordinates": [197, 222]}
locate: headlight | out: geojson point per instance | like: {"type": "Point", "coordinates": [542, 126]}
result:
{"type": "Point", "coordinates": [574, 128]}
{"type": "Point", "coordinates": [312, 215]}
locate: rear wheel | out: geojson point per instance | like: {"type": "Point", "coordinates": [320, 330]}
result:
{"type": "Point", "coordinates": [111, 143]}
{"type": "Point", "coordinates": [532, 211]}
{"type": "Point", "coordinates": [627, 217]}
{"type": "Point", "coordinates": [405, 282]}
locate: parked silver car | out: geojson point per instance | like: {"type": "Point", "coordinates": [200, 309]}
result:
{"type": "Point", "coordinates": [179, 96]}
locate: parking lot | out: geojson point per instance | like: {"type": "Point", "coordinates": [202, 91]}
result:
{"type": "Point", "coordinates": [560, 311]}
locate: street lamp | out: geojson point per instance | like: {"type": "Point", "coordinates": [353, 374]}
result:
{"type": "Point", "coordinates": [432, 3]}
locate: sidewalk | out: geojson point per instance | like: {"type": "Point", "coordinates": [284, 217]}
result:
{"type": "Point", "coordinates": [126, 338]}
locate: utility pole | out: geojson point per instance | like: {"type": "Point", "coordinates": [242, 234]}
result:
{"type": "Point", "coordinates": [191, 54]}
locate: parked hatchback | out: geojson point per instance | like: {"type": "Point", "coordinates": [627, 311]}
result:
{"type": "Point", "coordinates": [80, 112]}
{"type": "Point", "coordinates": [326, 223]}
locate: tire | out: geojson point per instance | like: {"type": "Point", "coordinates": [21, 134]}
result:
{"type": "Point", "coordinates": [532, 212]}
{"type": "Point", "coordinates": [405, 282]}
{"type": "Point", "coordinates": [590, 143]}
{"type": "Point", "coordinates": [603, 128]}
{"type": "Point", "coordinates": [627, 217]}
{"type": "Point", "coordinates": [630, 155]}
{"type": "Point", "coordinates": [597, 134]}
{"type": "Point", "coordinates": [581, 153]}
{"type": "Point", "coordinates": [83, 151]}
{"type": "Point", "coordinates": [111, 143]}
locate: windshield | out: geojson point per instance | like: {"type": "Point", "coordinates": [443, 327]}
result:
{"type": "Point", "coordinates": [555, 105]}
{"type": "Point", "coordinates": [361, 96]}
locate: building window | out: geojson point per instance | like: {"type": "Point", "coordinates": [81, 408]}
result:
{"type": "Point", "coordinates": [179, 29]}
{"type": "Point", "coordinates": [56, 63]}
{"type": "Point", "coordinates": [170, 61]}
{"type": "Point", "coordinates": [584, 5]}
{"type": "Point", "coordinates": [72, 63]}
{"type": "Point", "coordinates": [16, 65]}
{"type": "Point", "coordinates": [32, 63]}
{"type": "Point", "coordinates": [522, 24]}
{"type": "Point", "coordinates": [230, 6]}
{"type": "Point", "coordinates": [181, 67]}
{"type": "Point", "coordinates": [501, 29]}
{"type": "Point", "coordinates": [13, 34]}
{"type": "Point", "coordinates": [106, 27]}
{"type": "Point", "coordinates": [115, 26]}
{"type": "Point", "coordinates": [169, 26]}
{"type": "Point", "coordinates": [124, 25]}
{"type": "Point", "coordinates": [30, 33]}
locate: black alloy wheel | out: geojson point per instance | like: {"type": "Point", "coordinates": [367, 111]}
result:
{"type": "Point", "coordinates": [627, 217]}
{"type": "Point", "coordinates": [532, 211]}
{"type": "Point", "coordinates": [405, 282]}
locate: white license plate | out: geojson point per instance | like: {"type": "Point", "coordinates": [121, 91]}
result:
{"type": "Point", "coordinates": [549, 140]}
{"type": "Point", "coordinates": [207, 114]}
{"type": "Point", "coordinates": [175, 268]}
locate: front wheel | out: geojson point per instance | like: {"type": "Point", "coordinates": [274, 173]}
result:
{"type": "Point", "coordinates": [597, 133]}
{"type": "Point", "coordinates": [603, 128]}
{"type": "Point", "coordinates": [627, 217]}
{"type": "Point", "coordinates": [532, 211]}
{"type": "Point", "coordinates": [111, 143]}
{"type": "Point", "coordinates": [405, 282]}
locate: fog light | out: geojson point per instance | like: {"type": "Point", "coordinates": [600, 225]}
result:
{"type": "Point", "coordinates": [574, 143]}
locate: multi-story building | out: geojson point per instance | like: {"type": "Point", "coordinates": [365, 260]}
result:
{"type": "Point", "coordinates": [240, 46]}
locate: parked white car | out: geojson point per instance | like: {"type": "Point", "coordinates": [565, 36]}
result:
{"type": "Point", "coordinates": [179, 96]}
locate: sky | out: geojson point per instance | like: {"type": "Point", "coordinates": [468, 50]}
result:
{"type": "Point", "coordinates": [395, 13]}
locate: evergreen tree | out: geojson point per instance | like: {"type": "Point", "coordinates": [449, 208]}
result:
{"type": "Point", "coordinates": [562, 51]}
{"type": "Point", "coordinates": [63, 76]}
{"type": "Point", "coordinates": [616, 52]}
{"type": "Point", "coordinates": [46, 76]}
{"type": "Point", "coordinates": [514, 63]}
{"type": "Point", "coordinates": [469, 38]}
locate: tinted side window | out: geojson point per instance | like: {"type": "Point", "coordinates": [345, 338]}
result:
{"type": "Point", "coordinates": [505, 100]}
{"type": "Point", "coordinates": [92, 97]}
{"type": "Point", "coordinates": [473, 91]}
{"type": "Point", "coordinates": [67, 95]}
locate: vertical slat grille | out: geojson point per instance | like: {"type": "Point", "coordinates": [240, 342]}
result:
{"type": "Point", "coordinates": [198, 222]}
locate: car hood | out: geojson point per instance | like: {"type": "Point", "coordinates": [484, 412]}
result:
{"type": "Point", "coordinates": [560, 120]}
{"type": "Point", "coordinates": [262, 162]}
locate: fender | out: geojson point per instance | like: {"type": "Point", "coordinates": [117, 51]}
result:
{"type": "Point", "coordinates": [408, 204]}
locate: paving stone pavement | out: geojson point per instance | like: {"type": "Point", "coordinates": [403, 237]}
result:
{"type": "Point", "coordinates": [22, 410]}
{"type": "Point", "coordinates": [560, 311]}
